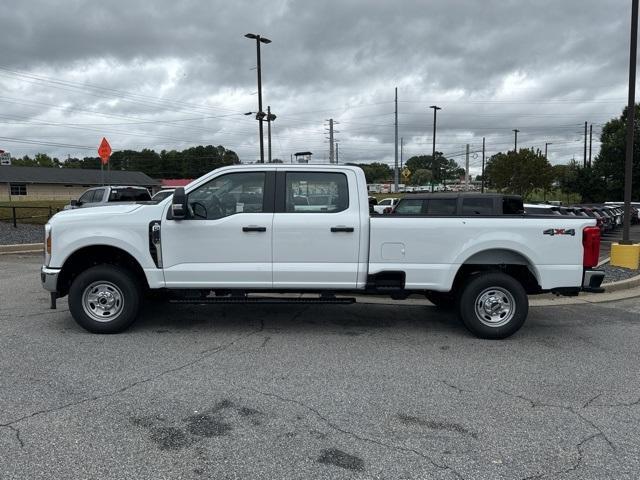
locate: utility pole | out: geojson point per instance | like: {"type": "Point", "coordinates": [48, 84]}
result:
{"type": "Point", "coordinates": [433, 150]}
{"type": "Point", "coordinates": [515, 142]}
{"type": "Point", "coordinates": [466, 170]}
{"type": "Point", "coordinates": [401, 149]}
{"type": "Point", "coordinates": [631, 107]}
{"type": "Point", "coordinates": [590, 142]}
{"type": "Point", "coordinates": [395, 168]}
{"type": "Point", "coordinates": [482, 187]}
{"type": "Point", "coordinates": [584, 159]}
{"type": "Point", "coordinates": [260, 115]}
{"type": "Point", "coordinates": [270, 118]}
{"type": "Point", "coordinates": [331, 144]}
{"type": "Point", "coordinates": [332, 141]}
{"type": "Point", "coordinates": [337, 153]}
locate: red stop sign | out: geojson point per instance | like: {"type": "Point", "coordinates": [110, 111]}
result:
{"type": "Point", "coordinates": [104, 150]}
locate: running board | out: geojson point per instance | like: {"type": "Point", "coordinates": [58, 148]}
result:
{"type": "Point", "coordinates": [265, 300]}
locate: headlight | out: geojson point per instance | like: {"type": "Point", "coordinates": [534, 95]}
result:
{"type": "Point", "coordinates": [47, 244]}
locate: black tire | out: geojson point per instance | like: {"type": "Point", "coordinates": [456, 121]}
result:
{"type": "Point", "coordinates": [493, 305]}
{"type": "Point", "coordinates": [442, 300]}
{"type": "Point", "coordinates": [115, 286]}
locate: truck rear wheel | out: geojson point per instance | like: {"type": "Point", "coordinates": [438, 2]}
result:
{"type": "Point", "coordinates": [493, 305]}
{"type": "Point", "coordinates": [104, 299]}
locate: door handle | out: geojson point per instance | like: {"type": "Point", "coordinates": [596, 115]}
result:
{"type": "Point", "coordinates": [254, 228]}
{"type": "Point", "coordinates": [342, 229]}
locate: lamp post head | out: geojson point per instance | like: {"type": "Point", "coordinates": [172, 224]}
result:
{"type": "Point", "coordinates": [253, 36]}
{"type": "Point", "coordinates": [435, 107]}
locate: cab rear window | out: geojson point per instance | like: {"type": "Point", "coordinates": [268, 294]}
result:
{"type": "Point", "coordinates": [129, 195]}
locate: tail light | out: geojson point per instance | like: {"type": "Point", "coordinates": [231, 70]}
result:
{"type": "Point", "coordinates": [591, 246]}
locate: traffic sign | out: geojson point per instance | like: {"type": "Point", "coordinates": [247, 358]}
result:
{"type": "Point", "coordinates": [104, 150]}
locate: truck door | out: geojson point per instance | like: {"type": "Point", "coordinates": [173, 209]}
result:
{"type": "Point", "coordinates": [316, 230]}
{"type": "Point", "coordinates": [226, 240]}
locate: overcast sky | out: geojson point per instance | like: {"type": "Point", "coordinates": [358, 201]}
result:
{"type": "Point", "coordinates": [173, 74]}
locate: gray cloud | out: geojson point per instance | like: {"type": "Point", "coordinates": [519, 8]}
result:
{"type": "Point", "coordinates": [137, 72]}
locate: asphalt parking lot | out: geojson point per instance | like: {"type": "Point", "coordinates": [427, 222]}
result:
{"type": "Point", "coordinates": [362, 391]}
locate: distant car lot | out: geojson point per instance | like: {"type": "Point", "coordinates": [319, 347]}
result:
{"type": "Point", "coordinates": [368, 391]}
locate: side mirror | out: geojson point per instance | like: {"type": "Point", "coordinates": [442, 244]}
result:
{"type": "Point", "coordinates": [75, 203]}
{"type": "Point", "coordinates": [179, 204]}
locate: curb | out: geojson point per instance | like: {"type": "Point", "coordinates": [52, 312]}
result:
{"type": "Point", "coordinates": [622, 284]}
{"type": "Point", "coordinates": [22, 248]}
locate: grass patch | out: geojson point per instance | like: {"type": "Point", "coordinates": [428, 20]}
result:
{"type": "Point", "coordinates": [30, 211]}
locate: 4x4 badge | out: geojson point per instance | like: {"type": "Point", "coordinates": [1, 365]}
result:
{"type": "Point", "coordinates": [560, 231]}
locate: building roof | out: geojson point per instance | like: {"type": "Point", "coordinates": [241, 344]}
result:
{"type": "Point", "coordinates": [73, 176]}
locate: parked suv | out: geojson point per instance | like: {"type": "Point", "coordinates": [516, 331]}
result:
{"type": "Point", "coordinates": [446, 204]}
{"type": "Point", "coordinates": [95, 197]}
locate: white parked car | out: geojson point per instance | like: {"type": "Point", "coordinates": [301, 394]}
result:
{"type": "Point", "coordinates": [385, 203]}
{"type": "Point", "coordinates": [238, 231]}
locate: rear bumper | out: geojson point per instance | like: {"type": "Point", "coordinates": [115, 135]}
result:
{"type": "Point", "coordinates": [49, 278]}
{"type": "Point", "coordinates": [591, 281]}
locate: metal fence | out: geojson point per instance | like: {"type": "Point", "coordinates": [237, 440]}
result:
{"type": "Point", "coordinates": [48, 212]}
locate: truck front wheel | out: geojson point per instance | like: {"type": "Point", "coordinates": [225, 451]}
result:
{"type": "Point", "coordinates": [493, 305]}
{"type": "Point", "coordinates": [104, 299]}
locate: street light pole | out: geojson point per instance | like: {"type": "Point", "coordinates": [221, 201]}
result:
{"type": "Point", "coordinates": [433, 150]}
{"type": "Point", "coordinates": [546, 146]}
{"type": "Point", "coordinates": [259, 39]}
{"type": "Point", "coordinates": [515, 141]}
{"type": "Point", "coordinates": [628, 163]}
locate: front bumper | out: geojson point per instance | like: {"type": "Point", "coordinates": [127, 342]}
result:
{"type": "Point", "coordinates": [591, 281]}
{"type": "Point", "coordinates": [49, 278]}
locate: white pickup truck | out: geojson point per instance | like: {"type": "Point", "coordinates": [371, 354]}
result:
{"type": "Point", "coordinates": [255, 233]}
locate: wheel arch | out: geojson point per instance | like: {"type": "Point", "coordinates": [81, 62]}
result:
{"type": "Point", "coordinates": [87, 257]}
{"type": "Point", "coordinates": [505, 260]}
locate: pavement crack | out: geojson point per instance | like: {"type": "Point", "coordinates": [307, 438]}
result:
{"type": "Point", "coordinates": [203, 356]}
{"type": "Point", "coordinates": [454, 387]}
{"type": "Point", "coordinates": [591, 400]}
{"type": "Point", "coordinates": [16, 432]}
{"type": "Point", "coordinates": [534, 404]}
{"type": "Point", "coordinates": [357, 436]}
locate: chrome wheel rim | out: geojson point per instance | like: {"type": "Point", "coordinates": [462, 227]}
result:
{"type": "Point", "coordinates": [495, 307]}
{"type": "Point", "coordinates": [102, 301]}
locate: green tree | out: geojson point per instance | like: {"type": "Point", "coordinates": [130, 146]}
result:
{"type": "Point", "coordinates": [421, 176]}
{"type": "Point", "coordinates": [520, 173]}
{"type": "Point", "coordinates": [608, 165]}
{"type": "Point", "coordinates": [376, 172]}
{"type": "Point", "coordinates": [442, 169]}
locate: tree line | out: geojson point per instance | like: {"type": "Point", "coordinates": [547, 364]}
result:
{"type": "Point", "coordinates": [190, 163]}
{"type": "Point", "coordinates": [524, 171]}
{"type": "Point", "coordinates": [422, 169]}
{"type": "Point", "coordinates": [521, 172]}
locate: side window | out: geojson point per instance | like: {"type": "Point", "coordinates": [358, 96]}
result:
{"type": "Point", "coordinates": [17, 189]}
{"type": "Point", "coordinates": [98, 194]}
{"type": "Point", "coordinates": [409, 206]}
{"type": "Point", "coordinates": [442, 206]}
{"type": "Point", "coordinates": [86, 197]}
{"type": "Point", "coordinates": [316, 192]}
{"type": "Point", "coordinates": [386, 201]}
{"type": "Point", "coordinates": [477, 206]}
{"type": "Point", "coordinates": [228, 195]}
{"type": "Point", "coordinates": [512, 206]}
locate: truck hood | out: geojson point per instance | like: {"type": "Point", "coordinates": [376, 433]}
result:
{"type": "Point", "coordinates": [92, 212]}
